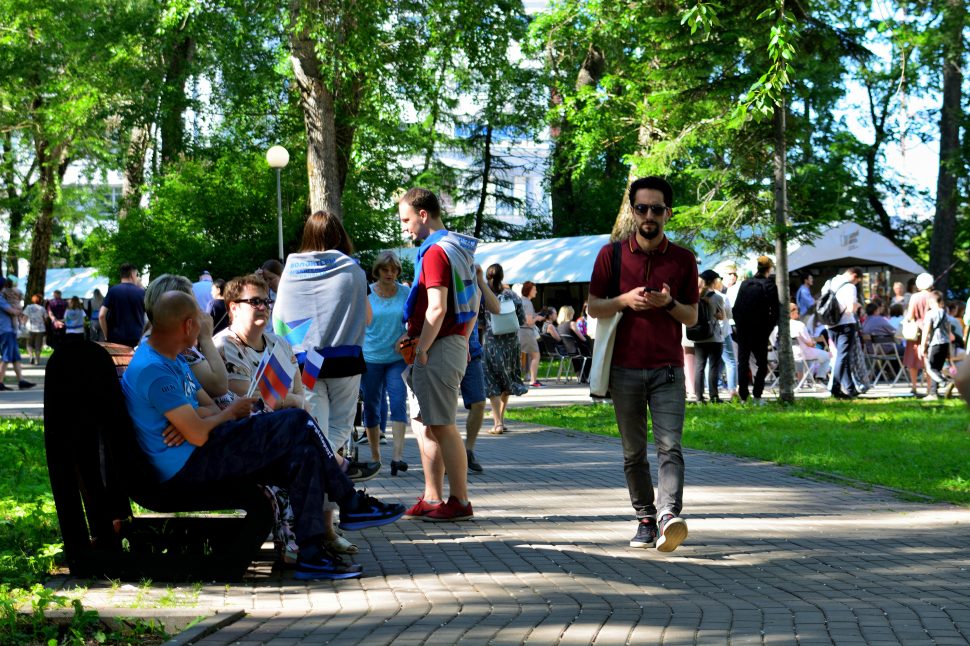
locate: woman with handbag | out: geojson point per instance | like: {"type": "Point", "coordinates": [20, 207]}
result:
{"type": "Point", "coordinates": [912, 324]}
{"type": "Point", "coordinates": [502, 375]}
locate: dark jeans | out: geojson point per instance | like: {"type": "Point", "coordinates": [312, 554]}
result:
{"type": "Point", "coordinates": [634, 392]}
{"type": "Point", "coordinates": [707, 354]}
{"type": "Point", "coordinates": [844, 338]}
{"type": "Point", "coordinates": [936, 356]}
{"type": "Point", "coordinates": [286, 449]}
{"type": "Point", "coordinates": [746, 348]}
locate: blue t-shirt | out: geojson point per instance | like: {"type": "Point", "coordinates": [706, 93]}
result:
{"type": "Point", "coordinates": [6, 323]}
{"type": "Point", "coordinates": [126, 313]}
{"type": "Point", "coordinates": [386, 326]}
{"type": "Point", "coordinates": [153, 385]}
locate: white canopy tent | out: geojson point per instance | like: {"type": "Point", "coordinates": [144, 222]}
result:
{"type": "Point", "coordinates": [554, 260]}
{"type": "Point", "coordinates": [77, 281]}
{"type": "Point", "coordinates": [850, 244]}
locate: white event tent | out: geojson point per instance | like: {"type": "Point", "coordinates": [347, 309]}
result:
{"type": "Point", "coordinates": [848, 244]}
{"type": "Point", "coordinates": [553, 260]}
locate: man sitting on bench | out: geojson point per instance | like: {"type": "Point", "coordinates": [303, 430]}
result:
{"type": "Point", "coordinates": [191, 443]}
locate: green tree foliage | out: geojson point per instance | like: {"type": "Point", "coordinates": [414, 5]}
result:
{"type": "Point", "coordinates": [62, 79]}
{"type": "Point", "coordinates": [217, 213]}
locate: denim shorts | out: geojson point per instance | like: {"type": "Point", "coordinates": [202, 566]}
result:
{"type": "Point", "coordinates": [473, 383]}
{"type": "Point", "coordinates": [9, 351]}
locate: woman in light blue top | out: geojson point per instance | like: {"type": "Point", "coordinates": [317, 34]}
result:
{"type": "Point", "coordinates": [384, 362]}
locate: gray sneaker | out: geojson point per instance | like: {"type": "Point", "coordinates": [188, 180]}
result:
{"type": "Point", "coordinates": [673, 531]}
{"type": "Point", "coordinates": [646, 535]}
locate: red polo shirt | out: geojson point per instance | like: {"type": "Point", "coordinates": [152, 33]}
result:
{"type": "Point", "coordinates": [649, 339]}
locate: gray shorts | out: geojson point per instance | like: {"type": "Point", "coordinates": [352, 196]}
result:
{"type": "Point", "coordinates": [435, 385]}
{"type": "Point", "coordinates": [528, 342]}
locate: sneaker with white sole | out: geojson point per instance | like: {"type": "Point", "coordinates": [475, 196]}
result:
{"type": "Point", "coordinates": [673, 531]}
{"type": "Point", "coordinates": [646, 535]}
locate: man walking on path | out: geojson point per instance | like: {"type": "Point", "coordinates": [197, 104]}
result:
{"type": "Point", "coordinates": [655, 286]}
{"type": "Point", "coordinates": [843, 334]}
{"type": "Point", "coordinates": [439, 312]}
{"type": "Point", "coordinates": [755, 316]}
{"type": "Point", "coordinates": [9, 350]}
{"type": "Point", "coordinates": [122, 314]}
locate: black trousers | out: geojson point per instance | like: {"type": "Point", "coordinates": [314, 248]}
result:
{"type": "Point", "coordinates": [286, 449]}
{"type": "Point", "coordinates": [747, 347]}
{"type": "Point", "coordinates": [707, 354]}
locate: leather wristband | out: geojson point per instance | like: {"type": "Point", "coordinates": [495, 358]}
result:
{"type": "Point", "coordinates": [671, 305]}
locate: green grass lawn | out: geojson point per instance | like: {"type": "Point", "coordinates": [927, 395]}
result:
{"type": "Point", "coordinates": [29, 534]}
{"type": "Point", "coordinates": [904, 444]}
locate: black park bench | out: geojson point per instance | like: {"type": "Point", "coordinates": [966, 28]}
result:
{"type": "Point", "coordinates": [97, 469]}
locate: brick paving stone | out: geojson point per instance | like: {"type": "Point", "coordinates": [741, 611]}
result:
{"type": "Point", "coordinates": [771, 558]}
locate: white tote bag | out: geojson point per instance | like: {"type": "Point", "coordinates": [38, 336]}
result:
{"type": "Point", "coordinates": [599, 375]}
{"type": "Point", "coordinates": [505, 322]}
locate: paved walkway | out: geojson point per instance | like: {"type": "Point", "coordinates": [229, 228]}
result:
{"type": "Point", "coordinates": [771, 559]}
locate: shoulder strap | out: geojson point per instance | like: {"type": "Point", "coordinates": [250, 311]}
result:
{"type": "Point", "coordinates": [615, 270]}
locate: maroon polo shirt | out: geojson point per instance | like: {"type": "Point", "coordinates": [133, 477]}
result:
{"type": "Point", "coordinates": [649, 339]}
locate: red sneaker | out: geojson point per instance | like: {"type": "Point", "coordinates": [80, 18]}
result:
{"type": "Point", "coordinates": [449, 511]}
{"type": "Point", "coordinates": [420, 509]}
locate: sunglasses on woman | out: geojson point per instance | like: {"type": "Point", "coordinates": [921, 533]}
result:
{"type": "Point", "coordinates": [256, 301]}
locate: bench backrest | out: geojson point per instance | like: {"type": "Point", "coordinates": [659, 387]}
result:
{"type": "Point", "coordinates": [86, 433]}
{"type": "Point", "coordinates": [95, 464]}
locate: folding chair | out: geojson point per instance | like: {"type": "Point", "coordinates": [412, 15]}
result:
{"type": "Point", "coordinates": [573, 352]}
{"type": "Point", "coordinates": [803, 365]}
{"type": "Point", "coordinates": [554, 354]}
{"type": "Point", "coordinates": [883, 354]}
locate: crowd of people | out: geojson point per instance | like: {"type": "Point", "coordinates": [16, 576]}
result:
{"type": "Point", "coordinates": [328, 336]}
{"type": "Point", "coordinates": [915, 330]}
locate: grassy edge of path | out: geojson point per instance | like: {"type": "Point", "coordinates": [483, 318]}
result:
{"type": "Point", "coordinates": [906, 445]}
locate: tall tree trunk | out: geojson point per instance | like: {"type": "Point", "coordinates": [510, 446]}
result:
{"type": "Point", "coordinates": [486, 171]}
{"type": "Point", "coordinates": [951, 114]}
{"type": "Point", "coordinates": [786, 359]}
{"type": "Point", "coordinates": [18, 203]}
{"type": "Point", "coordinates": [625, 225]}
{"type": "Point", "coordinates": [435, 115]}
{"type": "Point", "coordinates": [174, 103]}
{"type": "Point", "coordinates": [346, 110]}
{"type": "Point", "coordinates": [18, 210]}
{"type": "Point", "coordinates": [873, 196]}
{"type": "Point", "coordinates": [52, 164]}
{"type": "Point", "coordinates": [564, 207]}
{"type": "Point", "coordinates": [319, 118]}
{"type": "Point", "coordinates": [872, 190]}
{"type": "Point", "coordinates": [134, 177]}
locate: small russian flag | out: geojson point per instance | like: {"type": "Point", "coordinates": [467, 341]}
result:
{"type": "Point", "coordinates": [311, 367]}
{"type": "Point", "coordinates": [276, 379]}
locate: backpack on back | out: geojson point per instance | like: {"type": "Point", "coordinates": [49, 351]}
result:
{"type": "Point", "coordinates": [829, 310]}
{"type": "Point", "coordinates": [704, 328]}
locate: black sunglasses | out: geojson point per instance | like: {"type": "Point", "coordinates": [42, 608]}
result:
{"type": "Point", "coordinates": [256, 302]}
{"type": "Point", "coordinates": [656, 209]}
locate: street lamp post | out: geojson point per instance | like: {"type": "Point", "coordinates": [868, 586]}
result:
{"type": "Point", "coordinates": [278, 158]}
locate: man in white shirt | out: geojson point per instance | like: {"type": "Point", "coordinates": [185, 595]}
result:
{"type": "Point", "coordinates": [843, 334]}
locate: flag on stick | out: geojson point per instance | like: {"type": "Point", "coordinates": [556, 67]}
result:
{"type": "Point", "coordinates": [258, 372]}
{"type": "Point", "coordinates": [311, 367]}
{"type": "Point", "coordinates": [277, 377]}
